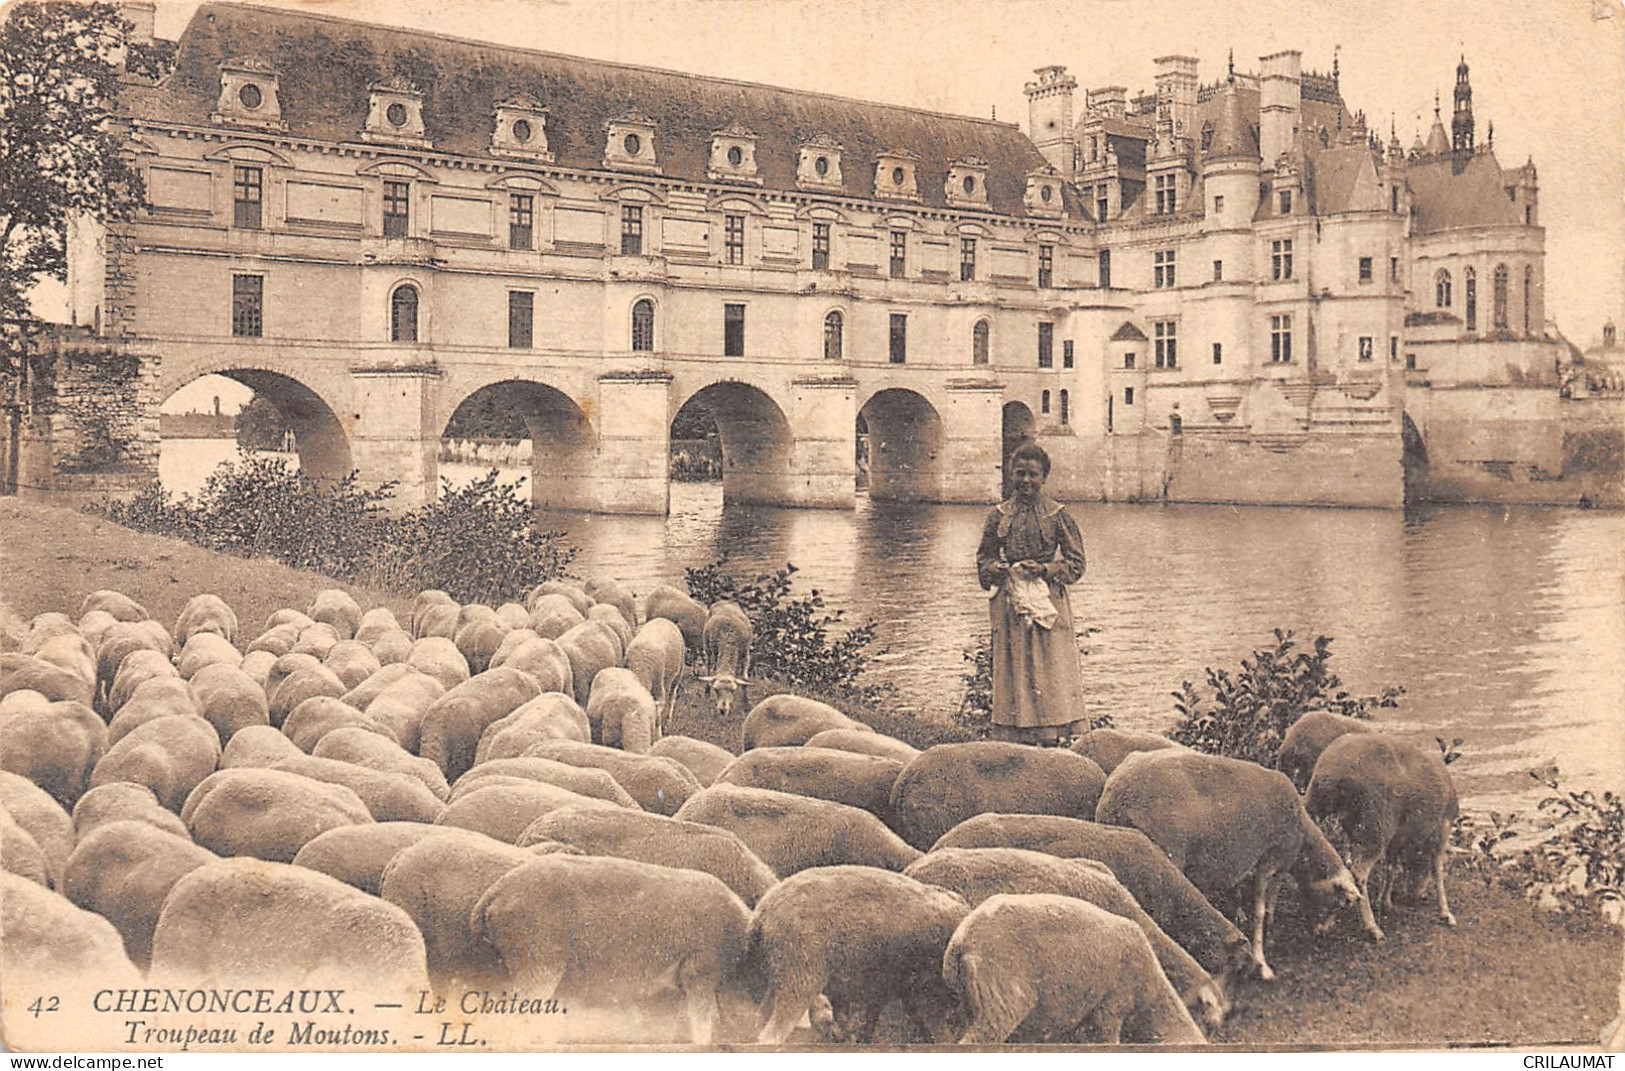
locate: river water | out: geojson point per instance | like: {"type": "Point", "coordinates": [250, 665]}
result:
{"type": "Point", "coordinates": [1505, 626]}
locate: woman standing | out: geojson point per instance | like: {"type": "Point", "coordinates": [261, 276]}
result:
{"type": "Point", "coordinates": [1030, 552]}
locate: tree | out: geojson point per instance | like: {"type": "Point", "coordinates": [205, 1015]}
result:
{"type": "Point", "coordinates": [260, 425]}
{"type": "Point", "coordinates": [60, 152]}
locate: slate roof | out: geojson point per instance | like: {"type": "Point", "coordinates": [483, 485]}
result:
{"type": "Point", "coordinates": [1128, 332]}
{"type": "Point", "coordinates": [1474, 198]}
{"type": "Point", "coordinates": [325, 64]}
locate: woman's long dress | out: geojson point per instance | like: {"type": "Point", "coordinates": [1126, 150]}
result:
{"type": "Point", "coordinates": [1036, 675]}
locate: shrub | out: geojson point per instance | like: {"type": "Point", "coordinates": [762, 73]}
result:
{"type": "Point", "coordinates": [791, 637]}
{"type": "Point", "coordinates": [1249, 712]}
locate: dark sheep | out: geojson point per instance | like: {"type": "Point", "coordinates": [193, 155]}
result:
{"type": "Point", "coordinates": [952, 782]}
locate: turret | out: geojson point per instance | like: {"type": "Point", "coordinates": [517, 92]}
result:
{"type": "Point", "coordinates": [1438, 143]}
{"type": "Point", "coordinates": [1524, 190]}
{"type": "Point", "coordinates": [1230, 166]}
{"type": "Point", "coordinates": [1049, 117]}
{"type": "Point", "coordinates": [1461, 119]}
{"type": "Point", "coordinates": [1279, 102]}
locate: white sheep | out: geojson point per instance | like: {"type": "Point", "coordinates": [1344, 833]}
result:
{"type": "Point", "coordinates": [726, 641]}
{"type": "Point", "coordinates": [791, 833]}
{"type": "Point", "coordinates": [952, 782]}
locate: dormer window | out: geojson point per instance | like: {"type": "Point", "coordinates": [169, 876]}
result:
{"type": "Point", "coordinates": [895, 176]}
{"type": "Point", "coordinates": [629, 143]}
{"type": "Point", "coordinates": [395, 114]}
{"type": "Point", "coordinates": [967, 182]}
{"type": "Point", "coordinates": [248, 94]}
{"type": "Point", "coordinates": [521, 129]}
{"type": "Point", "coordinates": [733, 155]}
{"type": "Point", "coordinates": [1043, 195]}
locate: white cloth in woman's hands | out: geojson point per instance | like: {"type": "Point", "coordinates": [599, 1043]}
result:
{"type": "Point", "coordinates": [1030, 598]}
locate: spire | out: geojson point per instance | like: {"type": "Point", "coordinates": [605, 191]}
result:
{"type": "Point", "coordinates": [1438, 143]}
{"type": "Point", "coordinates": [1335, 72]}
{"type": "Point", "coordinates": [1231, 77]}
{"type": "Point", "coordinates": [1233, 138]}
{"type": "Point", "coordinates": [1461, 117]}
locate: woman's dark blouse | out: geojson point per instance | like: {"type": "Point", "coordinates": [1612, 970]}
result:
{"type": "Point", "coordinates": [1036, 531]}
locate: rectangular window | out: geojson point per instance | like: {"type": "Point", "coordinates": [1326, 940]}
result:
{"type": "Point", "coordinates": [1128, 395]}
{"type": "Point", "coordinates": [1164, 333]}
{"type": "Point", "coordinates": [1128, 360]}
{"type": "Point", "coordinates": [248, 197]}
{"type": "Point", "coordinates": [1162, 271]}
{"type": "Point", "coordinates": [397, 208]}
{"type": "Point", "coordinates": [820, 247]}
{"type": "Point", "coordinates": [1043, 404]}
{"type": "Point", "coordinates": [1367, 347]}
{"type": "Point", "coordinates": [1218, 353]}
{"type": "Point", "coordinates": [1218, 203]}
{"type": "Point", "coordinates": [1066, 408]}
{"type": "Point", "coordinates": [899, 254]}
{"type": "Point", "coordinates": [1106, 269]}
{"type": "Point", "coordinates": [632, 230]}
{"type": "Point", "coordinates": [1046, 345]}
{"type": "Point", "coordinates": [521, 319]}
{"type": "Point", "coordinates": [1393, 198]}
{"type": "Point", "coordinates": [1393, 347]}
{"type": "Point", "coordinates": [967, 260]}
{"type": "Point", "coordinates": [1167, 195]}
{"type": "Point", "coordinates": [1102, 204]}
{"type": "Point", "coordinates": [1410, 362]}
{"type": "Point", "coordinates": [1218, 271]}
{"type": "Point", "coordinates": [521, 220]}
{"type": "Point", "coordinates": [1066, 353]}
{"type": "Point", "coordinates": [1286, 202]}
{"type": "Point", "coordinates": [1281, 259]}
{"type": "Point", "coordinates": [733, 238]}
{"type": "Point", "coordinates": [899, 338]}
{"type": "Point", "coordinates": [1365, 269]}
{"type": "Point", "coordinates": [1393, 269]}
{"type": "Point", "coordinates": [247, 305]}
{"type": "Point", "coordinates": [733, 330]}
{"type": "Point", "coordinates": [1281, 339]}
{"type": "Point", "coordinates": [1046, 265]}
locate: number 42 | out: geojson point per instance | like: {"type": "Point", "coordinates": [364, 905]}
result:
{"type": "Point", "coordinates": [44, 1005]}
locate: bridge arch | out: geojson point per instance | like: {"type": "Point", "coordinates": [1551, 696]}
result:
{"type": "Point", "coordinates": [320, 437]}
{"type": "Point", "coordinates": [757, 443]}
{"type": "Point", "coordinates": [906, 439]}
{"type": "Point", "coordinates": [1414, 456]}
{"type": "Point", "coordinates": [501, 415]}
{"type": "Point", "coordinates": [1017, 427]}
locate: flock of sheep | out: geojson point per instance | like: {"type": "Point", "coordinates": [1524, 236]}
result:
{"type": "Point", "coordinates": [486, 800]}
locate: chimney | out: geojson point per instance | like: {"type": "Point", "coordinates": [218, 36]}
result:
{"type": "Point", "coordinates": [1176, 91]}
{"type": "Point", "coordinates": [1279, 101]}
{"type": "Point", "coordinates": [142, 16]}
{"type": "Point", "coordinates": [1110, 100]}
{"type": "Point", "coordinates": [1049, 117]}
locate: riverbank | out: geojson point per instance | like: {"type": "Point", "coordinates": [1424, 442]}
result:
{"type": "Point", "coordinates": [1507, 975]}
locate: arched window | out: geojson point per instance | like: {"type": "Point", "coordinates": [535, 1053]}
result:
{"type": "Point", "coordinates": [1043, 403]}
{"type": "Point", "coordinates": [1500, 306]}
{"type": "Point", "coordinates": [403, 314]}
{"type": "Point", "coordinates": [1528, 296]}
{"type": "Point", "coordinates": [978, 342]}
{"type": "Point", "coordinates": [832, 336]}
{"type": "Point", "coordinates": [1472, 300]}
{"type": "Point", "coordinates": [1066, 408]}
{"type": "Point", "coordinates": [643, 325]}
{"type": "Point", "coordinates": [1441, 289]}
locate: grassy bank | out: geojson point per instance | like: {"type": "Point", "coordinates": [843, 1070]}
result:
{"type": "Point", "coordinates": [1507, 975]}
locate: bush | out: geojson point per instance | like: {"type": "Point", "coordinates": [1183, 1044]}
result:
{"type": "Point", "coordinates": [791, 640]}
{"type": "Point", "coordinates": [1248, 713]}
{"type": "Point", "coordinates": [478, 543]}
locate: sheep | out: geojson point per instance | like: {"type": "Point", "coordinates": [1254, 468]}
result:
{"type": "Point", "coordinates": [258, 746]}
{"type": "Point", "coordinates": [373, 686]}
{"type": "Point", "coordinates": [550, 716]}
{"type": "Point", "coordinates": [206, 649]}
{"type": "Point", "coordinates": [1157, 885]}
{"type": "Point", "coordinates": [553, 615]}
{"type": "Point", "coordinates": [978, 873]}
{"type": "Point", "coordinates": [1307, 737]}
{"type": "Point", "coordinates": [119, 641]}
{"type": "Point", "coordinates": [543, 659]}
{"type": "Point", "coordinates": [20, 854]}
{"type": "Point", "coordinates": [47, 945]}
{"type": "Point", "coordinates": [582, 780]}
{"type": "Point", "coordinates": [790, 720]}
{"type": "Point", "coordinates": [577, 598]}
{"type": "Point", "coordinates": [359, 855]}
{"type": "Point", "coordinates": [1225, 822]}
{"type": "Point", "coordinates": [437, 882]}
{"type": "Point", "coordinates": [1109, 747]}
{"type": "Point", "coordinates": [402, 704]}
{"type": "Point", "coordinates": [656, 656]}
{"type": "Point", "coordinates": [337, 609]}
{"type": "Point", "coordinates": [21, 672]}
{"type": "Point", "coordinates": [471, 612]}
{"type": "Point", "coordinates": [512, 615]}
{"type": "Point", "coordinates": [792, 833]}
{"type": "Point", "coordinates": [69, 651]}
{"type": "Point", "coordinates": [864, 742]}
{"type": "Point", "coordinates": [726, 642]}
{"type": "Point", "coordinates": [392, 647]}
{"type": "Point", "coordinates": [388, 797]}
{"type": "Point", "coordinates": [658, 785]}
{"type": "Point", "coordinates": [353, 662]}
{"type": "Point", "coordinates": [116, 603]}
{"type": "Point", "coordinates": [259, 923]}
{"type": "Point", "coordinates": [319, 715]}
{"type": "Point", "coordinates": [94, 625]}
{"type": "Point", "coordinates": [228, 699]}
{"type": "Point", "coordinates": [504, 811]}
{"type": "Point", "coordinates": [54, 745]}
{"type": "Point", "coordinates": [590, 646]}
{"type": "Point", "coordinates": [170, 755]}
{"type": "Point", "coordinates": [613, 618]}
{"type": "Point", "coordinates": [688, 614]}
{"type": "Point", "coordinates": [1393, 800]}
{"type": "Point", "coordinates": [257, 665]}
{"type": "Point", "coordinates": [42, 817]}
{"type": "Point", "coordinates": [206, 613]}
{"type": "Point", "coordinates": [287, 615]}
{"type": "Point", "coordinates": [376, 622]}
{"type": "Point", "coordinates": [449, 734]}
{"type": "Point", "coordinates": [952, 782]}
{"type": "Point", "coordinates": [300, 685]}
{"type": "Point", "coordinates": [653, 838]}
{"type": "Point", "coordinates": [704, 760]}
{"type": "Point", "coordinates": [137, 668]}
{"type": "Point", "coordinates": [372, 751]}
{"type": "Point", "coordinates": [268, 814]}
{"type": "Point", "coordinates": [278, 640]}
{"type": "Point", "coordinates": [316, 640]}
{"type": "Point", "coordinates": [160, 697]}
{"type": "Point", "coordinates": [123, 870]}
{"type": "Point", "coordinates": [439, 657]}
{"type": "Point", "coordinates": [621, 711]}
{"type": "Point", "coordinates": [425, 603]}
{"type": "Point", "coordinates": [602, 590]}
{"type": "Point", "coordinates": [437, 621]}
{"type": "Point", "coordinates": [1050, 966]}
{"type": "Point", "coordinates": [478, 640]}
{"type": "Point", "coordinates": [860, 936]}
{"type": "Point", "coordinates": [123, 801]}
{"type": "Point", "coordinates": [579, 927]}
{"type": "Point", "coordinates": [863, 781]}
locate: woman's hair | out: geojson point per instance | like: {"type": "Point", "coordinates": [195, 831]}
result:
{"type": "Point", "coordinates": [1031, 451]}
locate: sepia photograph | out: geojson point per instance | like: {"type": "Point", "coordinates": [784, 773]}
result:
{"type": "Point", "coordinates": [774, 525]}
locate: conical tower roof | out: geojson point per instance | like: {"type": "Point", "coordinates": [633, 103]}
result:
{"type": "Point", "coordinates": [1233, 138]}
{"type": "Point", "coordinates": [1438, 141]}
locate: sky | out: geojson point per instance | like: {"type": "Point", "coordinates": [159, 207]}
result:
{"type": "Point", "coordinates": [1550, 74]}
